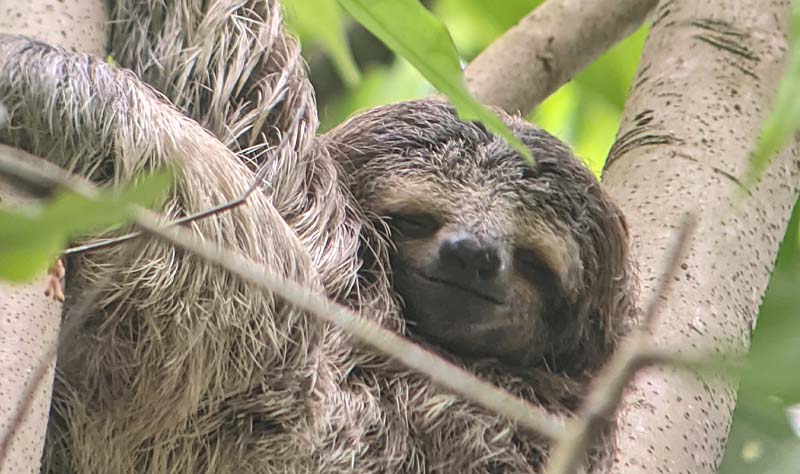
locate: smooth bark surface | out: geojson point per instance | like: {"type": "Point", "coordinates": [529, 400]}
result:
{"type": "Point", "coordinates": [29, 321]}
{"type": "Point", "coordinates": [708, 75]}
{"type": "Point", "coordinates": [549, 46]}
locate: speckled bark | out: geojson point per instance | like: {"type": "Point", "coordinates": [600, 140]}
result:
{"type": "Point", "coordinates": [77, 25]}
{"type": "Point", "coordinates": [29, 321]}
{"type": "Point", "coordinates": [708, 75]}
{"type": "Point", "coordinates": [549, 46]}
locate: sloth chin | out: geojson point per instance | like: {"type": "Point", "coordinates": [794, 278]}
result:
{"type": "Point", "coordinates": [459, 319]}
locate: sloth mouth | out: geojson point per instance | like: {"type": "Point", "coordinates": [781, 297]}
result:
{"type": "Point", "coordinates": [467, 289]}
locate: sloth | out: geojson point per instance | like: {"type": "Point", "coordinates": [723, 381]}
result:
{"type": "Point", "coordinates": [493, 257]}
{"type": "Point", "coordinates": [517, 270]}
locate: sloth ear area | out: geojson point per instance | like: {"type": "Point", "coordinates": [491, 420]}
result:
{"type": "Point", "coordinates": [348, 157]}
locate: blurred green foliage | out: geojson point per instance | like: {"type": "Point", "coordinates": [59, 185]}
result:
{"type": "Point", "coordinates": [784, 120]}
{"type": "Point", "coordinates": [765, 436]}
{"type": "Point", "coordinates": [414, 33]}
{"type": "Point", "coordinates": [585, 113]}
{"type": "Point", "coordinates": [33, 237]}
{"type": "Point", "coordinates": [322, 22]}
{"type": "Point", "coordinates": [762, 440]}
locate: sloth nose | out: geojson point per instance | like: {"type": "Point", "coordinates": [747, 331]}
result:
{"type": "Point", "coordinates": [464, 257]}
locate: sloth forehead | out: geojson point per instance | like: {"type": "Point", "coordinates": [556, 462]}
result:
{"type": "Point", "coordinates": [485, 176]}
{"type": "Point", "coordinates": [419, 151]}
{"type": "Point", "coordinates": [476, 188]}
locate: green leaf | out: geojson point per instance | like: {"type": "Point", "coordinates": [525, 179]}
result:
{"type": "Point", "coordinates": [476, 23]}
{"type": "Point", "coordinates": [775, 348]}
{"type": "Point", "coordinates": [784, 120]}
{"type": "Point", "coordinates": [322, 21]}
{"type": "Point", "coordinates": [411, 31]}
{"type": "Point", "coordinates": [26, 247]}
{"type": "Point", "coordinates": [32, 238]}
{"type": "Point", "coordinates": [761, 440]}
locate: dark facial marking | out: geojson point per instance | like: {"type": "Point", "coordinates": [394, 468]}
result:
{"type": "Point", "coordinates": [465, 293]}
{"type": "Point", "coordinates": [413, 225]}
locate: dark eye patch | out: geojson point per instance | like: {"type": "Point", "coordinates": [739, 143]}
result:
{"type": "Point", "coordinates": [548, 286]}
{"type": "Point", "coordinates": [530, 265]}
{"type": "Point", "coordinates": [413, 225]}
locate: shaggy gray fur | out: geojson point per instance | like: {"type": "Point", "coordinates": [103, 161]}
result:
{"type": "Point", "coordinates": [179, 367]}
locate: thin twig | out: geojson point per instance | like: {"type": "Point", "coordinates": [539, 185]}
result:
{"type": "Point", "coordinates": [672, 261]}
{"type": "Point", "coordinates": [529, 416]}
{"type": "Point", "coordinates": [636, 352]}
{"type": "Point", "coordinates": [526, 415]}
{"type": "Point", "coordinates": [26, 400]}
{"type": "Point", "coordinates": [38, 176]}
{"type": "Point", "coordinates": [262, 172]}
{"type": "Point", "coordinates": [41, 178]}
{"type": "Point", "coordinates": [69, 326]}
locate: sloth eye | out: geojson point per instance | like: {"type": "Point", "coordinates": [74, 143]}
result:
{"type": "Point", "coordinates": [414, 226]}
{"type": "Point", "coordinates": [532, 266]}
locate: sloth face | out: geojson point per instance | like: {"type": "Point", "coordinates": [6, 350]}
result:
{"type": "Point", "coordinates": [479, 274]}
{"type": "Point", "coordinates": [492, 256]}
{"type": "Point", "coordinates": [472, 294]}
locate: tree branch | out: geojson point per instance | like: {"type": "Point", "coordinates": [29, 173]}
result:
{"type": "Point", "coordinates": [689, 124]}
{"type": "Point", "coordinates": [30, 319]}
{"type": "Point", "coordinates": [548, 47]}
{"type": "Point", "coordinates": [635, 353]}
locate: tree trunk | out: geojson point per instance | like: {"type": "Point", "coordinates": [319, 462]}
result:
{"type": "Point", "coordinates": [29, 321]}
{"type": "Point", "coordinates": [707, 77]}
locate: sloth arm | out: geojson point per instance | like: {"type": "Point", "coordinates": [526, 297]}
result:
{"type": "Point", "coordinates": [104, 124]}
{"type": "Point", "coordinates": [233, 68]}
